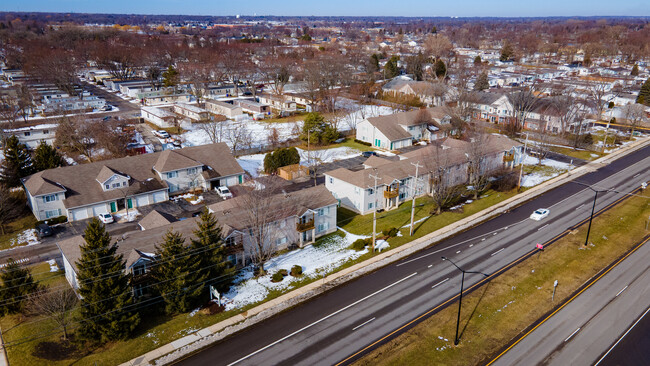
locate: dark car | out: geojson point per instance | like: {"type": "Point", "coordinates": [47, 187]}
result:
{"type": "Point", "coordinates": [43, 230]}
{"type": "Point", "coordinates": [368, 154]}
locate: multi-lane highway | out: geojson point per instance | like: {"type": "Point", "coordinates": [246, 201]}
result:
{"type": "Point", "coordinates": [351, 319]}
{"type": "Point", "coordinates": [582, 331]}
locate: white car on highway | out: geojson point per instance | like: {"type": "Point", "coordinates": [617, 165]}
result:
{"type": "Point", "coordinates": [539, 214]}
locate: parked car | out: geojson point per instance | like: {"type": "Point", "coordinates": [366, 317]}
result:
{"type": "Point", "coordinates": [224, 192]}
{"type": "Point", "coordinates": [44, 230]}
{"type": "Point", "coordinates": [368, 154]}
{"type": "Point", "coordinates": [107, 107]}
{"type": "Point", "coordinates": [176, 143]}
{"type": "Point", "coordinates": [539, 214]}
{"type": "Point", "coordinates": [161, 133]}
{"type": "Point", "coordinates": [106, 218]}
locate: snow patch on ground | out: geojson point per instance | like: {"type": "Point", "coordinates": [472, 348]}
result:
{"type": "Point", "coordinates": [53, 266]}
{"type": "Point", "coordinates": [327, 155]}
{"type": "Point", "coordinates": [531, 160]}
{"type": "Point", "coordinates": [253, 164]}
{"type": "Point", "coordinates": [133, 213]}
{"type": "Point", "coordinates": [315, 262]}
{"type": "Point", "coordinates": [27, 237]}
{"type": "Point", "coordinates": [535, 178]}
{"type": "Point", "coordinates": [189, 197]}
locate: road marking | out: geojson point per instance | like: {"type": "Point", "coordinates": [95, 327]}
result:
{"type": "Point", "coordinates": [494, 234]}
{"type": "Point", "coordinates": [471, 245]}
{"type": "Point", "coordinates": [430, 265]}
{"type": "Point", "coordinates": [574, 332]}
{"type": "Point", "coordinates": [577, 208]}
{"type": "Point", "coordinates": [542, 227]}
{"type": "Point", "coordinates": [623, 336]}
{"type": "Point", "coordinates": [440, 283]}
{"type": "Point", "coordinates": [505, 228]}
{"type": "Point", "coordinates": [362, 324]}
{"type": "Point", "coordinates": [620, 291]}
{"type": "Point", "coordinates": [497, 252]}
{"type": "Point", "coordinates": [458, 252]}
{"type": "Point", "coordinates": [636, 175]}
{"type": "Point", "coordinates": [321, 319]}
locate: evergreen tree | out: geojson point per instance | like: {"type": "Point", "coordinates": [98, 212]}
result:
{"type": "Point", "coordinates": [107, 311]}
{"type": "Point", "coordinates": [587, 60]}
{"type": "Point", "coordinates": [208, 252]}
{"type": "Point", "coordinates": [279, 158]}
{"type": "Point", "coordinates": [374, 63]}
{"type": "Point", "coordinates": [477, 60]}
{"type": "Point", "coordinates": [46, 157]}
{"type": "Point", "coordinates": [506, 52]}
{"type": "Point", "coordinates": [170, 76]}
{"type": "Point", "coordinates": [635, 70]}
{"type": "Point", "coordinates": [174, 273]}
{"type": "Point", "coordinates": [644, 93]}
{"type": "Point", "coordinates": [482, 82]}
{"type": "Point", "coordinates": [440, 69]}
{"type": "Point", "coordinates": [390, 69]}
{"type": "Point", "coordinates": [17, 283]}
{"type": "Point", "coordinates": [317, 130]}
{"type": "Point", "coordinates": [16, 164]}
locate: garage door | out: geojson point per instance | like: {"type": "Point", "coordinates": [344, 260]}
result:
{"type": "Point", "coordinates": [79, 214]}
{"type": "Point", "coordinates": [99, 209]}
{"type": "Point", "coordinates": [141, 201]}
{"type": "Point", "coordinates": [158, 197]}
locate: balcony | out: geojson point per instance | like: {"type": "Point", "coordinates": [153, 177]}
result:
{"type": "Point", "coordinates": [392, 193]}
{"type": "Point", "coordinates": [508, 158]}
{"type": "Point", "coordinates": [305, 226]}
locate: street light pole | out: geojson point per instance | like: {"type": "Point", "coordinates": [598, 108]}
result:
{"type": "Point", "coordinates": [374, 212]}
{"type": "Point", "coordinates": [593, 208]}
{"type": "Point", "coordinates": [415, 187]}
{"type": "Point", "coordinates": [521, 166]}
{"type": "Point", "coordinates": [460, 297]}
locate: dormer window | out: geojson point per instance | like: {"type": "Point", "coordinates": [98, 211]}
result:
{"type": "Point", "coordinates": [172, 175]}
{"type": "Point", "coordinates": [191, 171]}
{"type": "Point", "coordinates": [107, 186]}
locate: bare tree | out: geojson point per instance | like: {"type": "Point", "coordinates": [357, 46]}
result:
{"type": "Point", "coordinates": [10, 207]}
{"type": "Point", "coordinates": [477, 166]}
{"type": "Point", "coordinates": [54, 304]}
{"type": "Point", "coordinates": [315, 160]}
{"type": "Point", "coordinates": [567, 108]}
{"type": "Point", "coordinates": [523, 103]}
{"type": "Point", "coordinates": [239, 136]}
{"type": "Point", "coordinates": [73, 134]}
{"type": "Point", "coordinates": [9, 109]}
{"type": "Point", "coordinates": [214, 130]}
{"type": "Point", "coordinates": [274, 137]}
{"type": "Point", "coordinates": [443, 189]}
{"type": "Point", "coordinates": [597, 95]}
{"type": "Point", "coordinates": [634, 115]}
{"type": "Point", "coordinates": [354, 116]}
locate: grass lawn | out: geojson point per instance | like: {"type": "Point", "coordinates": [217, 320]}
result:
{"type": "Point", "coordinates": [13, 228]}
{"type": "Point", "coordinates": [505, 306]}
{"type": "Point", "coordinates": [579, 154]}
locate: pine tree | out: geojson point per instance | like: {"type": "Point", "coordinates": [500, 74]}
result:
{"type": "Point", "coordinates": [390, 69]}
{"type": "Point", "coordinates": [208, 252]}
{"type": "Point", "coordinates": [635, 70]}
{"type": "Point", "coordinates": [477, 60]}
{"type": "Point", "coordinates": [16, 164]}
{"type": "Point", "coordinates": [170, 76]}
{"type": "Point", "coordinates": [506, 52]}
{"type": "Point", "coordinates": [482, 82]}
{"type": "Point", "coordinates": [107, 311]}
{"type": "Point", "coordinates": [644, 93]}
{"type": "Point", "coordinates": [17, 283]}
{"type": "Point", "coordinates": [175, 275]}
{"type": "Point", "coordinates": [46, 157]}
{"type": "Point", "coordinates": [440, 69]}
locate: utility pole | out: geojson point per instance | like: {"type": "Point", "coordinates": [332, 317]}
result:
{"type": "Point", "coordinates": [521, 166]}
{"type": "Point", "coordinates": [415, 187]}
{"type": "Point", "coordinates": [374, 212]}
{"type": "Point", "coordinates": [606, 133]}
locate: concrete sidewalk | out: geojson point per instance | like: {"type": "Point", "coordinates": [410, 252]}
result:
{"type": "Point", "coordinates": [183, 346]}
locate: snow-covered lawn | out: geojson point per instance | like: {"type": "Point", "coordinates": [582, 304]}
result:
{"type": "Point", "coordinates": [133, 214]}
{"type": "Point", "coordinates": [537, 177]}
{"type": "Point", "coordinates": [315, 262]}
{"type": "Point", "coordinates": [189, 197]}
{"type": "Point", "coordinates": [53, 266]}
{"type": "Point", "coordinates": [254, 164]}
{"type": "Point", "coordinates": [27, 237]}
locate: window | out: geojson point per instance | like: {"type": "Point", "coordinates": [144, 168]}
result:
{"type": "Point", "coordinates": [356, 190]}
{"type": "Point", "coordinates": [371, 191]}
{"type": "Point", "coordinates": [49, 198]}
{"type": "Point", "coordinates": [27, 133]}
{"type": "Point", "coordinates": [230, 241]}
{"type": "Point", "coordinates": [232, 259]}
{"type": "Point", "coordinates": [123, 184]}
{"type": "Point", "coordinates": [52, 213]}
{"type": "Point", "coordinates": [191, 171]}
{"type": "Point", "coordinates": [139, 270]}
{"type": "Point", "coordinates": [370, 206]}
{"type": "Point", "coordinates": [281, 241]}
{"type": "Point", "coordinates": [331, 180]}
{"type": "Point", "coordinates": [172, 175]}
{"type": "Point", "coordinates": [323, 227]}
{"type": "Point", "coordinates": [107, 186]}
{"type": "Point", "coordinates": [173, 187]}
{"type": "Point", "coordinates": [116, 185]}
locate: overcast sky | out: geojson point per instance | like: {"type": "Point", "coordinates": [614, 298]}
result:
{"type": "Point", "coordinates": [463, 8]}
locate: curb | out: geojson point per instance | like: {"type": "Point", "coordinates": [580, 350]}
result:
{"type": "Point", "coordinates": [202, 338]}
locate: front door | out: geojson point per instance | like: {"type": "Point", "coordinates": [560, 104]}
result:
{"type": "Point", "coordinates": [129, 203]}
{"type": "Point", "coordinates": [113, 207]}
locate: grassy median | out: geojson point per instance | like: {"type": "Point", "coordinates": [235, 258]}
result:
{"type": "Point", "coordinates": [500, 310]}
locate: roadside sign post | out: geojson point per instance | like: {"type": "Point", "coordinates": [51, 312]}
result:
{"type": "Point", "coordinates": [540, 249]}
{"type": "Point", "coordinates": [554, 287]}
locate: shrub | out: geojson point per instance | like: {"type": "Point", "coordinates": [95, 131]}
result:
{"type": "Point", "coordinates": [53, 221]}
{"type": "Point", "coordinates": [296, 271]}
{"type": "Point", "coordinates": [277, 277]}
{"type": "Point", "coordinates": [390, 232]}
{"type": "Point", "coordinates": [359, 244]}
{"type": "Point", "coordinates": [283, 272]}
{"type": "Point", "coordinates": [362, 142]}
{"type": "Point", "coordinates": [506, 180]}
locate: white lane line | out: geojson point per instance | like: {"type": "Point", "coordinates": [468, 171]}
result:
{"type": "Point", "coordinates": [362, 324]}
{"type": "Point", "coordinates": [458, 252]}
{"type": "Point", "coordinates": [542, 227]}
{"type": "Point", "coordinates": [430, 265]}
{"type": "Point", "coordinates": [623, 336]}
{"type": "Point", "coordinates": [574, 332]}
{"type": "Point", "coordinates": [497, 252]}
{"type": "Point", "coordinates": [471, 245]}
{"type": "Point", "coordinates": [637, 174]}
{"type": "Point", "coordinates": [440, 283]}
{"type": "Point", "coordinates": [321, 319]}
{"type": "Point", "coordinates": [577, 208]}
{"type": "Point", "coordinates": [620, 291]}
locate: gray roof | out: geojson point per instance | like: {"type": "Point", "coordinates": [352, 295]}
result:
{"type": "Point", "coordinates": [156, 219]}
{"type": "Point", "coordinates": [390, 125]}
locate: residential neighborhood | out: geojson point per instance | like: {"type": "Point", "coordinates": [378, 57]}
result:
{"type": "Point", "coordinates": [227, 188]}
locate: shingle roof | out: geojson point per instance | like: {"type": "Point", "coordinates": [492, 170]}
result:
{"type": "Point", "coordinates": [156, 219]}
{"type": "Point", "coordinates": [105, 174]}
{"type": "Point", "coordinates": [390, 125]}
{"type": "Point", "coordinates": [170, 160]}
{"type": "Point", "coordinates": [37, 185]}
